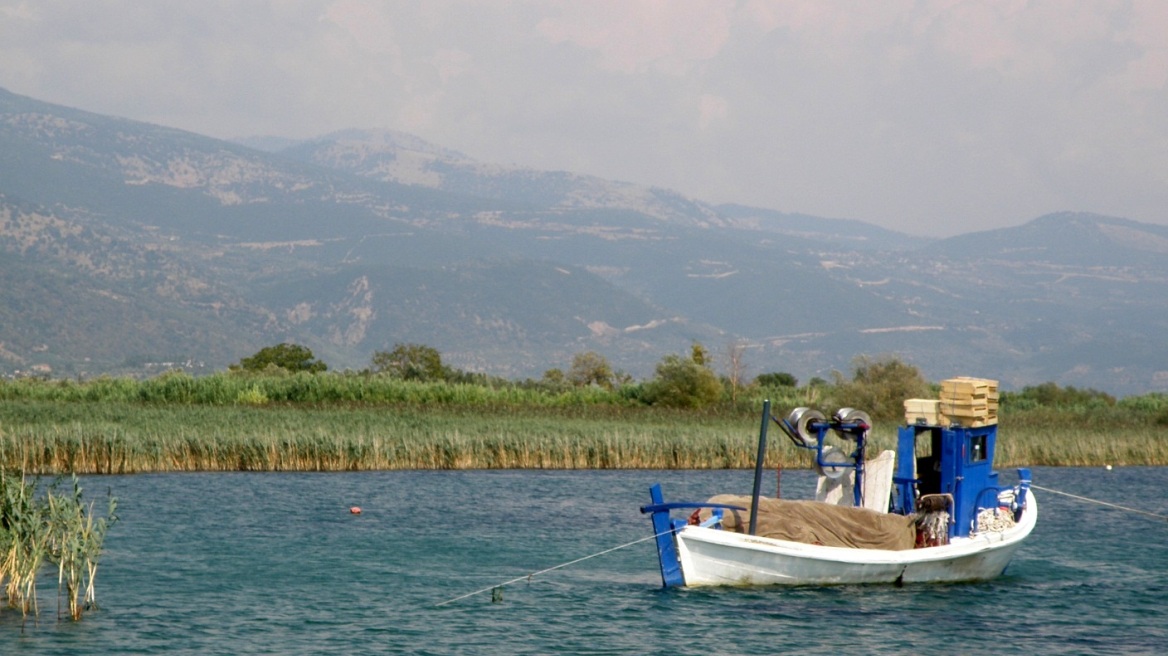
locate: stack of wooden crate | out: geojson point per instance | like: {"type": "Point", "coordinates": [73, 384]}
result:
{"type": "Point", "coordinates": [970, 402]}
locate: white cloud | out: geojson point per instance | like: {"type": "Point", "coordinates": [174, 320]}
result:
{"type": "Point", "coordinates": [927, 116]}
{"type": "Point", "coordinates": [632, 37]}
{"type": "Point", "coordinates": [21, 11]}
{"type": "Point", "coordinates": [712, 109]}
{"type": "Point", "coordinates": [370, 28]}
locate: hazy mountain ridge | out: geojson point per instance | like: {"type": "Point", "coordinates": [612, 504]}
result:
{"type": "Point", "coordinates": [397, 157]}
{"type": "Point", "coordinates": [150, 244]}
{"type": "Point", "coordinates": [1074, 238]}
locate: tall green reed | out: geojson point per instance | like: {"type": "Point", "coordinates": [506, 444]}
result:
{"type": "Point", "coordinates": [52, 528]}
{"type": "Point", "coordinates": [334, 421]}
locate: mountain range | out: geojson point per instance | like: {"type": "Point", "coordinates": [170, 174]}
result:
{"type": "Point", "coordinates": [131, 248]}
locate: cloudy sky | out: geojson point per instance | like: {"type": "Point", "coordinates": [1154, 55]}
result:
{"type": "Point", "coordinates": [933, 117]}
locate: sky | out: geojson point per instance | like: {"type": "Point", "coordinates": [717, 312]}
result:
{"type": "Point", "coordinates": [930, 117]}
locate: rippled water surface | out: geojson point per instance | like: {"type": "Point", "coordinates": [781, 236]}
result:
{"type": "Point", "coordinates": [276, 564]}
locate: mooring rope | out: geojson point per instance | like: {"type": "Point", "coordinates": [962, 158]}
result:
{"type": "Point", "coordinates": [1102, 503]}
{"type": "Point", "coordinates": [526, 577]}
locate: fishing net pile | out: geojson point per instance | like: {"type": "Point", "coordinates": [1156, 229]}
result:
{"type": "Point", "coordinates": [994, 520]}
{"type": "Point", "coordinates": [812, 522]}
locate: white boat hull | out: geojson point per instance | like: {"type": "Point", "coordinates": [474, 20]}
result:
{"type": "Point", "coordinates": [715, 557]}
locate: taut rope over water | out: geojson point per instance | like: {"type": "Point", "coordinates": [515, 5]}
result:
{"type": "Point", "coordinates": [1102, 503]}
{"type": "Point", "coordinates": [527, 577]}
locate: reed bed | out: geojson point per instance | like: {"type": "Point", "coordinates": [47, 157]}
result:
{"type": "Point", "coordinates": [105, 438]}
{"type": "Point", "coordinates": [235, 388]}
{"type": "Point", "coordinates": [52, 528]}
{"type": "Point", "coordinates": [49, 437]}
{"type": "Point", "coordinates": [1077, 437]}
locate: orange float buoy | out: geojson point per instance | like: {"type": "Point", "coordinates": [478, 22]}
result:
{"type": "Point", "coordinates": [356, 510]}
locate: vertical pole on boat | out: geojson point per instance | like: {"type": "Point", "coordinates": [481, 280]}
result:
{"type": "Point", "coordinates": [758, 463]}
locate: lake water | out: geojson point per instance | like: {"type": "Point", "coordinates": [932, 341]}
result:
{"type": "Point", "coordinates": [276, 564]}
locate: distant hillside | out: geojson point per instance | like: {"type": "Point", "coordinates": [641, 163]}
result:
{"type": "Point", "coordinates": [1075, 239]}
{"type": "Point", "coordinates": [395, 157]}
{"type": "Point", "coordinates": [127, 248]}
{"type": "Point", "coordinates": [807, 231]}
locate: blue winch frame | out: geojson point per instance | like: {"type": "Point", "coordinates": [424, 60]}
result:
{"type": "Point", "coordinates": [857, 432]}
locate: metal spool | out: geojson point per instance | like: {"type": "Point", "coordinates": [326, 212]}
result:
{"type": "Point", "coordinates": [836, 463]}
{"type": "Point", "coordinates": [851, 416]}
{"type": "Point", "coordinates": [800, 419]}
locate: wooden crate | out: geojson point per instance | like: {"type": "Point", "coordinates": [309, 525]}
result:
{"type": "Point", "coordinates": [924, 411]}
{"type": "Point", "coordinates": [974, 409]}
{"type": "Point", "coordinates": [975, 423]}
{"type": "Point", "coordinates": [970, 402]}
{"type": "Point", "coordinates": [966, 387]}
{"type": "Point", "coordinates": [970, 391]}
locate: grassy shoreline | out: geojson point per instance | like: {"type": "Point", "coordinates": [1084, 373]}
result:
{"type": "Point", "coordinates": [121, 437]}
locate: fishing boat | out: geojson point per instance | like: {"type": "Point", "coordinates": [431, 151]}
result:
{"type": "Point", "coordinates": [933, 510]}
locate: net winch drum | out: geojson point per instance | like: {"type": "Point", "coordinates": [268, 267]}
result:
{"type": "Point", "coordinates": [852, 416]}
{"type": "Point", "coordinates": [801, 419]}
{"type": "Point", "coordinates": [835, 463]}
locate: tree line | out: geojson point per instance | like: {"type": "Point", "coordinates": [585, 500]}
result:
{"type": "Point", "coordinates": [879, 385]}
{"type": "Point", "coordinates": [680, 380]}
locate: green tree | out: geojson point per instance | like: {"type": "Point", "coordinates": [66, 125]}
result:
{"type": "Point", "coordinates": [776, 379]}
{"type": "Point", "coordinates": [590, 368]}
{"type": "Point", "coordinates": [411, 362]}
{"type": "Point", "coordinates": [684, 382]}
{"type": "Point", "coordinates": [291, 357]}
{"type": "Point", "coordinates": [699, 355]}
{"type": "Point", "coordinates": [554, 379]}
{"type": "Point", "coordinates": [879, 386]}
{"type": "Point", "coordinates": [1050, 395]}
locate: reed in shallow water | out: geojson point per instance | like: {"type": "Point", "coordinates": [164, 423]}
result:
{"type": "Point", "coordinates": [102, 437]}
{"type": "Point", "coordinates": [126, 438]}
{"type": "Point", "coordinates": [52, 528]}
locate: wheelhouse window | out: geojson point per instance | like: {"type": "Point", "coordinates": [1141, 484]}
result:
{"type": "Point", "coordinates": [977, 448]}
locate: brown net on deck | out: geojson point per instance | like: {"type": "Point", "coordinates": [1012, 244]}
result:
{"type": "Point", "coordinates": [813, 522]}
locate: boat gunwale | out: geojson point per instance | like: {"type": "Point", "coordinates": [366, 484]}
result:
{"type": "Point", "coordinates": [959, 547]}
